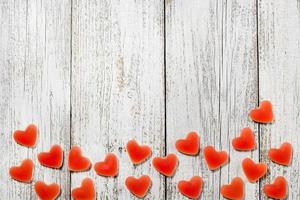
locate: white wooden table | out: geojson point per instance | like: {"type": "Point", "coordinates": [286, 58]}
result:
{"type": "Point", "coordinates": [96, 73]}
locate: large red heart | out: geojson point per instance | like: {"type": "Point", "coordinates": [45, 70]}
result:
{"type": "Point", "coordinates": [76, 162]}
{"type": "Point", "coordinates": [108, 167]}
{"type": "Point", "coordinates": [166, 165]}
{"type": "Point", "coordinates": [215, 159]}
{"type": "Point", "coordinates": [28, 137]}
{"type": "Point", "coordinates": [86, 191]}
{"type": "Point", "coordinates": [138, 153]}
{"type": "Point", "coordinates": [189, 145]}
{"type": "Point", "coordinates": [192, 188]}
{"type": "Point", "coordinates": [283, 155]}
{"type": "Point", "coordinates": [53, 158]}
{"type": "Point", "coordinates": [246, 140]}
{"type": "Point", "coordinates": [24, 172]}
{"type": "Point", "coordinates": [46, 192]}
{"type": "Point", "coordinates": [253, 171]}
{"type": "Point", "coordinates": [262, 114]}
{"type": "Point", "coordinates": [235, 190]}
{"type": "Point", "coordinates": [277, 190]}
{"type": "Point", "coordinates": [138, 186]}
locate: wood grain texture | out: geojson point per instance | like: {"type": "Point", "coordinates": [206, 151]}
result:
{"type": "Point", "coordinates": [35, 87]}
{"type": "Point", "coordinates": [118, 87]}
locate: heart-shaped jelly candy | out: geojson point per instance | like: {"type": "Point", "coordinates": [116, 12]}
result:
{"type": "Point", "coordinates": [252, 170]}
{"type": "Point", "coordinates": [166, 165]}
{"type": "Point", "coordinates": [215, 159]}
{"type": "Point", "coordinates": [277, 190]}
{"type": "Point", "coordinates": [76, 162]}
{"type": "Point", "coordinates": [235, 190]}
{"type": "Point", "coordinates": [28, 137]}
{"type": "Point", "coordinates": [86, 191]}
{"type": "Point", "coordinates": [262, 114]}
{"type": "Point", "coordinates": [283, 155]}
{"type": "Point", "coordinates": [138, 153]}
{"type": "Point", "coordinates": [138, 186]}
{"type": "Point", "coordinates": [189, 145]}
{"type": "Point", "coordinates": [53, 158]}
{"type": "Point", "coordinates": [108, 167]}
{"type": "Point", "coordinates": [246, 140]}
{"type": "Point", "coordinates": [46, 192]}
{"type": "Point", "coordinates": [24, 172]}
{"type": "Point", "coordinates": [192, 188]}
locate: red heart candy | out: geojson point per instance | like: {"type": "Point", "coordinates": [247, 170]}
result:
{"type": "Point", "coordinates": [192, 188]}
{"type": "Point", "coordinates": [252, 170]}
{"type": "Point", "coordinates": [53, 158]}
{"type": "Point", "coordinates": [76, 162]}
{"type": "Point", "coordinates": [138, 186]}
{"type": "Point", "coordinates": [86, 191]}
{"type": "Point", "coordinates": [262, 114]}
{"type": "Point", "coordinates": [46, 192]}
{"type": "Point", "coordinates": [245, 142]}
{"type": "Point", "coordinates": [108, 167]}
{"type": "Point", "coordinates": [137, 153]}
{"type": "Point", "coordinates": [24, 172]}
{"type": "Point", "coordinates": [235, 190]}
{"type": "Point", "coordinates": [283, 155]}
{"type": "Point", "coordinates": [189, 145]}
{"type": "Point", "coordinates": [277, 190]}
{"type": "Point", "coordinates": [215, 159]}
{"type": "Point", "coordinates": [166, 165]}
{"type": "Point", "coordinates": [28, 137]}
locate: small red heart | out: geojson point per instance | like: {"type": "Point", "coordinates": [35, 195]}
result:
{"type": "Point", "coordinates": [246, 140]}
{"type": "Point", "coordinates": [252, 170]}
{"type": "Point", "coordinates": [166, 165]}
{"type": "Point", "coordinates": [262, 114]}
{"type": "Point", "coordinates": [235, 190]}
{"type": "Point", "coordinates": [215, 159]}
{"type": "Point", "coordinates": [277, 190]}
{"type": "Point", "coordinates": [76, 162]}
{"type": "Point", "coordinates": [86, 191]}
{"type": "Point", "coordinates": [108, 167]}
{"type": "Point", "coordinates": [46, 192]}
{"type": "Point", "coordinates": [24, 172]}
{"type": "Point", "coordinates": [138, 186]}
{"type": "Point", "coordinates": [283, 155]}
{"type": "Point", "coordinates": [138, 153]}
{"type": "Point", "coordinates": [189, 145]}
{"type": "Point", "coordinates": [192, 188]}
{"type": "Point", "coordinates": [53, 158]}
{"type": "Point", "coordinates": [28, 137]}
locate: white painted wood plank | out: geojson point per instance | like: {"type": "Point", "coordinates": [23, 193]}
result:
{"type": "Point", "coordinates": [35, 85]}
{"type": "Point", "coordinates": [279, 75]}
{"type": "Point", "coordinates": [118, 87]}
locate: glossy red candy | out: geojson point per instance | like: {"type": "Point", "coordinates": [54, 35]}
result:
{"type": "Point", "coordinates": [262, 114]}
{"type": "Point", "coordinates": [189, 145]}
{"type": "Point", "coordinates": [283, 155]}
{"type": "Point", "coordinates": [24, 172]}
{"type": "Point", "coordinates": [138, 186]}
{"type": "Point", "coordinates": [166, 165]}
{"type": "Point", "coordinates": [53, 158]}
{"type": "Point", "coordinates": [76, 162]}
{"type": "Point", "coordinates": [253, 171]}
{"type": "Point", "coordinates": [215, 159]}
{"type": "Point", "coordinates": [108, 167]}
{"type": "Point", "coordinates": [46, 192]}
{"type": "Point", "coordinates": [86, 191]}
{"type": "Point", "coordinates": [192, 188]}
{"type": "Point", "coordinates": [138, 153]}
{"type": "Point", "coordinates": [235, 190]}
{"type": "Point", "coordinates": [278, 189]}
{"type": "Point", "coordinates": [246, 140]}
{"type": "Point", "coordinates": [27, 137]}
